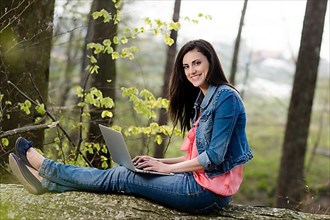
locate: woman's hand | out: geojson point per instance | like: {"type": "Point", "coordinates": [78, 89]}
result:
{"type": "Point", "coordinates": [151, 164]}
{"type": "Point", "coordinates": [139, 159]}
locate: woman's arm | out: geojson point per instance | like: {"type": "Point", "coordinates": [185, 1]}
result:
{"type": "Point", "coordinates": [184, 166]}
{"type": "Point", "coordinates": [140, 159]}
{"type": "Point", "coordinates": [171, 160]}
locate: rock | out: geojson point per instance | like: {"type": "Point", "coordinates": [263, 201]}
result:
{"type": "Point", "coordinates": [17, 203]}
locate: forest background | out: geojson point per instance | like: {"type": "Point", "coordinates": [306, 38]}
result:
{"type": "Point", "coordinates": [266, 66]}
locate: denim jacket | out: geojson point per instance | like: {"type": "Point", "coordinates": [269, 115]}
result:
{"type": "Point", "coordinates": [220, 135]}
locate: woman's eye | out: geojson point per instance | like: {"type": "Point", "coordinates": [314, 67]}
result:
{"type": "Point", "coordinates": [197, 63]}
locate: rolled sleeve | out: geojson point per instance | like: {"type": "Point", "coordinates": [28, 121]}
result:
{"type": "Point", "coordinates": [204, 160]}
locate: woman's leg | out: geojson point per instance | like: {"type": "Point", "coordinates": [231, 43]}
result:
{"type": "Point", "coordinates": [60, 177]}
{"type": "Point", "coordinates": [179, 191]}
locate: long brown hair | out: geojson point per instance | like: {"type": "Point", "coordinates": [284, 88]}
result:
{"type": "Point", "coordinates": [182, 94]}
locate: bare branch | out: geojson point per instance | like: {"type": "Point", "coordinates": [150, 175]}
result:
{"type": "Point", "coordinates": [53, 118]}
{"type": "Point", "coordinates": [28, 128]}
{"type": "Point", "coordinates": [16, 17]}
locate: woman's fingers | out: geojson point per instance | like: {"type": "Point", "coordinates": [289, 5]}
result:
{"type": "Point", "coordinates": [139, 159]}
{"type": "Point", "coordinates": [143, 164]}
{"type": "Point", "coordinates": [151, 165]}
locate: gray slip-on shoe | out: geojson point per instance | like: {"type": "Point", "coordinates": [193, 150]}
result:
{"type": "Point", "coordinates": [24, 175]}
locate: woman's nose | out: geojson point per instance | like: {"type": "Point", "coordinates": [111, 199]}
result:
{"type": "Point", "coordinates": [191, 70]}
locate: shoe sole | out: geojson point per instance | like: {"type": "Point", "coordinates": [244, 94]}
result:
{"type": "Point", "coordinates": [23, 174]}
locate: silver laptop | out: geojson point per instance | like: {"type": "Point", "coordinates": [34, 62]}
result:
{"type": "Point", "coordinates": [118, 150]}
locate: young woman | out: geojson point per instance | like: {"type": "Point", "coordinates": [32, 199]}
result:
{"type": "Point", "coordinates": [204, 103]}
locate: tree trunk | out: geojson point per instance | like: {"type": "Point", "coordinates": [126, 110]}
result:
{"type": "Point", "coordinates": [171, 51]}
{"type": "Point", "coordinates": [291, 184]}
{"type": "Point", "coordinates": [97, 32]}
{"type": "Point", "coordinates": [237, 43]}
{"type": "Point", "coordinates": [17, 203]}
{"type": "Point", "coordinates": [25, 44]}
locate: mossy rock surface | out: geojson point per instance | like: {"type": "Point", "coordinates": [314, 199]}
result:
{"type": "Point", "coordinates": [17, 203]}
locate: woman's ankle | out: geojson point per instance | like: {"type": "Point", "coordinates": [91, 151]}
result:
{"type": "Point", "coordinates": [34, 158]}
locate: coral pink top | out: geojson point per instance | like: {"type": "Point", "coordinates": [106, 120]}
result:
{"type": "Point", "coordinates": [226, 184]}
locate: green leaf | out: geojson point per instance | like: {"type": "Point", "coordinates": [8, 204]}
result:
{"type": "Point", "coordinates": [96, 14]}
{"type": "Point", "coordinates": [81, 104]}
{"type": "Point", "coordinates": [127, 30]}
{"type": "Point", "coordinates": [147, 95]}
{"type": "Point", "coordinates": [96, 92]}
{"type": "Point", "coordinates": [106, 114]}
{"type": "Point", "coordinates": [95, 69]}
{"type": "Point", "coordinates": [106, 42]}
{"type": "Point", "coordinates": [27, 103]}
{"type": "Point", "coordinates": [147, 21]}
{"type": "Point", "coordinates": [41, 109]}
{"type": "Point", "coordinates": [168, 40]}
{"type": "Point", "coordinates": [159, 22]}
{"type": "Point", "coordinates": [103, 13]}
{"type": "Point", "coordinates": [25, 107]}
{"type": "Point", "coordinates": [89, 98]}
{"type": "Point", "coordinates": [208, 17]}
{"type": "Point", "coordinates": [57, 140]}
{"type": "Point", "coordinates": [98, 49]}
{"type": "Point", "coordinates": [108, 50]}
{"type": "Point", "coordinates": [104, 149]}
{"type": "Point", "coordinates": [92, 59]}
{"type": "Point", "coordinates": [107, 102]}
{"type": "Point", "coordinates": [174, 26]}
{"type": "Point", "coordinates": [124, 40]}
{"type": "Point", "coordinates": [154, 126]}
{"type": "Point", "coordinates": [79, 91]}
{"type": "Point", "coordinates": [158, 139]}
{"type": "Point", "coordinates": [116, 40]}
{"type": "Point", "coordinates": [97, 146]}
{"type": "Point", "coordinates": [115, 55]}
{"type": "Point", "coordinates": [5, 142]}
{"type": "Point", "coordinates": [37, 120]}
{"type": "Point", "coordinates": [105, 165]}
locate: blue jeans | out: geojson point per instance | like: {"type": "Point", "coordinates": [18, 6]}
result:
{"type": "Point", "coordinates": [179, 191]}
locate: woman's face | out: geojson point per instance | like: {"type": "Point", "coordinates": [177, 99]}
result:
{"type": "Point", "coordinates": [196, 67]}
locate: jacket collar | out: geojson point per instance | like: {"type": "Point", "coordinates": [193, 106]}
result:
{"type": "Point", "coordinates": [204, 101]}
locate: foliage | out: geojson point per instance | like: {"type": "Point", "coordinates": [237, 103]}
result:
{"type": "Point", "coordinates": [145, 104]}
{"type": "Point", "coordinates": [65, 146]}
{"type": "Point", "coordinates": [156, 26]}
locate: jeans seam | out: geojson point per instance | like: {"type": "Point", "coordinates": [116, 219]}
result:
{"type": "Point", "coordinates": [202, 190]}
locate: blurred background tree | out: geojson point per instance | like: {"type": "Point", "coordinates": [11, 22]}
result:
{"type": "Point", "coordinates": [291, 181]}
{"type": "Point", "coordinates": [160, 149]}
{"type": "Point", "coordinates": [26, 30]}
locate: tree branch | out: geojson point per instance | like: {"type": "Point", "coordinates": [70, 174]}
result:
{"type": "Point", "coordinates": [53, 118]}
{"type": "Point", "coordinates": [28, 128]}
